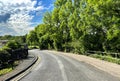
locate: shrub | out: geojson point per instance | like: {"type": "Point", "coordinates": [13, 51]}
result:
{"type": "Point", "coordinates": [9, 50]}
{"type": "Point", "coordinates": [4, 56]}
{"type": "Point", "coordinates": [13, 45]}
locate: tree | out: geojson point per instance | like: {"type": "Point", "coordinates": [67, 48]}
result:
{"type": "Point", "coordinates": [32, 38]}
{"type": "Point", "coordinates": [80, 25]}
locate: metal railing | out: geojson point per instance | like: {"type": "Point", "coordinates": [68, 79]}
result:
{"type": "Point", "coordinates": [113, 54]}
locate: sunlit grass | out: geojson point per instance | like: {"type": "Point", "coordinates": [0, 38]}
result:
{"type": "Point", "coordinates": [6, 70]}
{"type": "Point", "coordinates": [9, 68]}
{"type": "Point", "coordinates": [106, 58]}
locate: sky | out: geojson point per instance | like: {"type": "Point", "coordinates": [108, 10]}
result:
{"type": "Point", "coordinates": [18, 17]}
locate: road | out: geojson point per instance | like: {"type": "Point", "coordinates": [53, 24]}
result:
{"type": "Point", "coordinates": [54, 67]}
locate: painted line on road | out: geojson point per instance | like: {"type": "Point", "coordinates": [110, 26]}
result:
{"type": "Point", "coordinates": [61, 66]}
{"type": "Point", "coordinates": [27, 71]}
{"type": "Point", "coordinates": [37, 63]}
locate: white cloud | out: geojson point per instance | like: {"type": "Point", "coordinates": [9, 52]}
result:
{"type": "Point", "coordinates": [15, 1]}
{"type": "Point", "coordinates": [20, 20]}
{"type": "Point", "coordinates": [39, 8]}
{"type": "Point", "coordinates": [40, 3]}
{"type": "Point", "coordinates": [50, 6]}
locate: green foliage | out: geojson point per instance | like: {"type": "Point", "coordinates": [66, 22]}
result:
{"type": "Point", "coordinates": [8, 49]}
{"type": "Point", "coordinates": [78, 26]}
{"type": "Point", "coordinates": [4, 71]}
{"type": "Point", "coordinates": [11, 51]}
{"type": "Point", "coordinates": [13, 44]}
{"type": "Point", "coordinates": [33, 47]}
{"type": "Point", "coordinates": [106, 58]}
{"type": "Point", "coordinates": [6, 37]}
{"type": "Point", "coordinates": [4, 56]}
{"type": "Point", "coordinates": [20, 39]}
{"type": "Point", "coordinates": [9, 68]}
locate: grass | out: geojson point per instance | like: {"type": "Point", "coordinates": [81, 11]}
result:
{"type": "Point", "coordinates": [16, 63]}
{"type": "Point", "coordinates": [106, 58]}
{"type": "Point", "coordinates": [6, 70]}
{"type": "Point", "coordinates": [9, 68]}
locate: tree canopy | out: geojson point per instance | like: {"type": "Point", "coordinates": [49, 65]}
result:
{"type": "Point", "coordinates": [79, 26]}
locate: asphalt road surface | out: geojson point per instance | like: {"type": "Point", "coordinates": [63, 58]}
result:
{"type": "Point", "coordinates": [54, 67]}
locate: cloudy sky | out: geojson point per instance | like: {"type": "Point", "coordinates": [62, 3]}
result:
{"type": "Point", "coordinates": [18, 17]}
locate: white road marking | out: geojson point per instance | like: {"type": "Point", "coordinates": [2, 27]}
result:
{"type": "Point", "coordinates": [38, 64]}
{"type": "Point", "coordinates": [61, 66]}
{"type": "Point", "coordinates": [27, 71]}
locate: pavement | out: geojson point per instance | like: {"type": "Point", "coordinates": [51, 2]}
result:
{"type": "Point", "coordinates": [23, 66]}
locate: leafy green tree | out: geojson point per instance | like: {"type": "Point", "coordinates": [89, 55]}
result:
{"type": "Point", "coordinates": [80, 25]}
{"type": "Point", "coordinates": [32, 38]}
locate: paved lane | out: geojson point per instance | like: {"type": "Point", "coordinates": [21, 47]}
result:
{"type": "Point", "coordinates": [61, 68]}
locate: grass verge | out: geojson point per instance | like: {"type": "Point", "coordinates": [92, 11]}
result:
{"type": "Point", "coordinates": [106, 58]}
{"type": "Point", "coordinates": [9, 68]}
{"type": "Point", "coordinates": [6, 70]}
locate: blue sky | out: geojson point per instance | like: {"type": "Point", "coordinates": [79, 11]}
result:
{"type": "Point", "coordinates": [18, 17]}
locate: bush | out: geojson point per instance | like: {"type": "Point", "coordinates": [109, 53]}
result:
{"type": "Point", "coordinates": [13, 45]}
{"type": "Point", "coordinates": [4, 56]}
{"type": "Point", "coordinates": [9, 50]}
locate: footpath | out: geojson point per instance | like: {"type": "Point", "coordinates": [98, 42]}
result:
{"type": "Point", "coordinates": [23, 66]}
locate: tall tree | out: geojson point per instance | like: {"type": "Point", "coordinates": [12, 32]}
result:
{"type": "Point", "coordinates": [32, 38]}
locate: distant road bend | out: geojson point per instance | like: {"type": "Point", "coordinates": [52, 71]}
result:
{"type": "Point", "coordinates": [54, 67]}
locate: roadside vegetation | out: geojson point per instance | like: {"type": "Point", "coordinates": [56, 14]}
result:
{"type": "Point", "coordinates": [80, 25]}
{"type": "Point", "coordinates": [33, 47]}
{"type": "Point", "coordinates": [6, 70]}
{"type": "Point", "coordinates": [106, 58]}
{"type": "Point", "coordinates": [11, 53]}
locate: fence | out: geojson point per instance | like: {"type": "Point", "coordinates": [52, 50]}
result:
{"type": "Point", "coordinates": [116, 55]}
